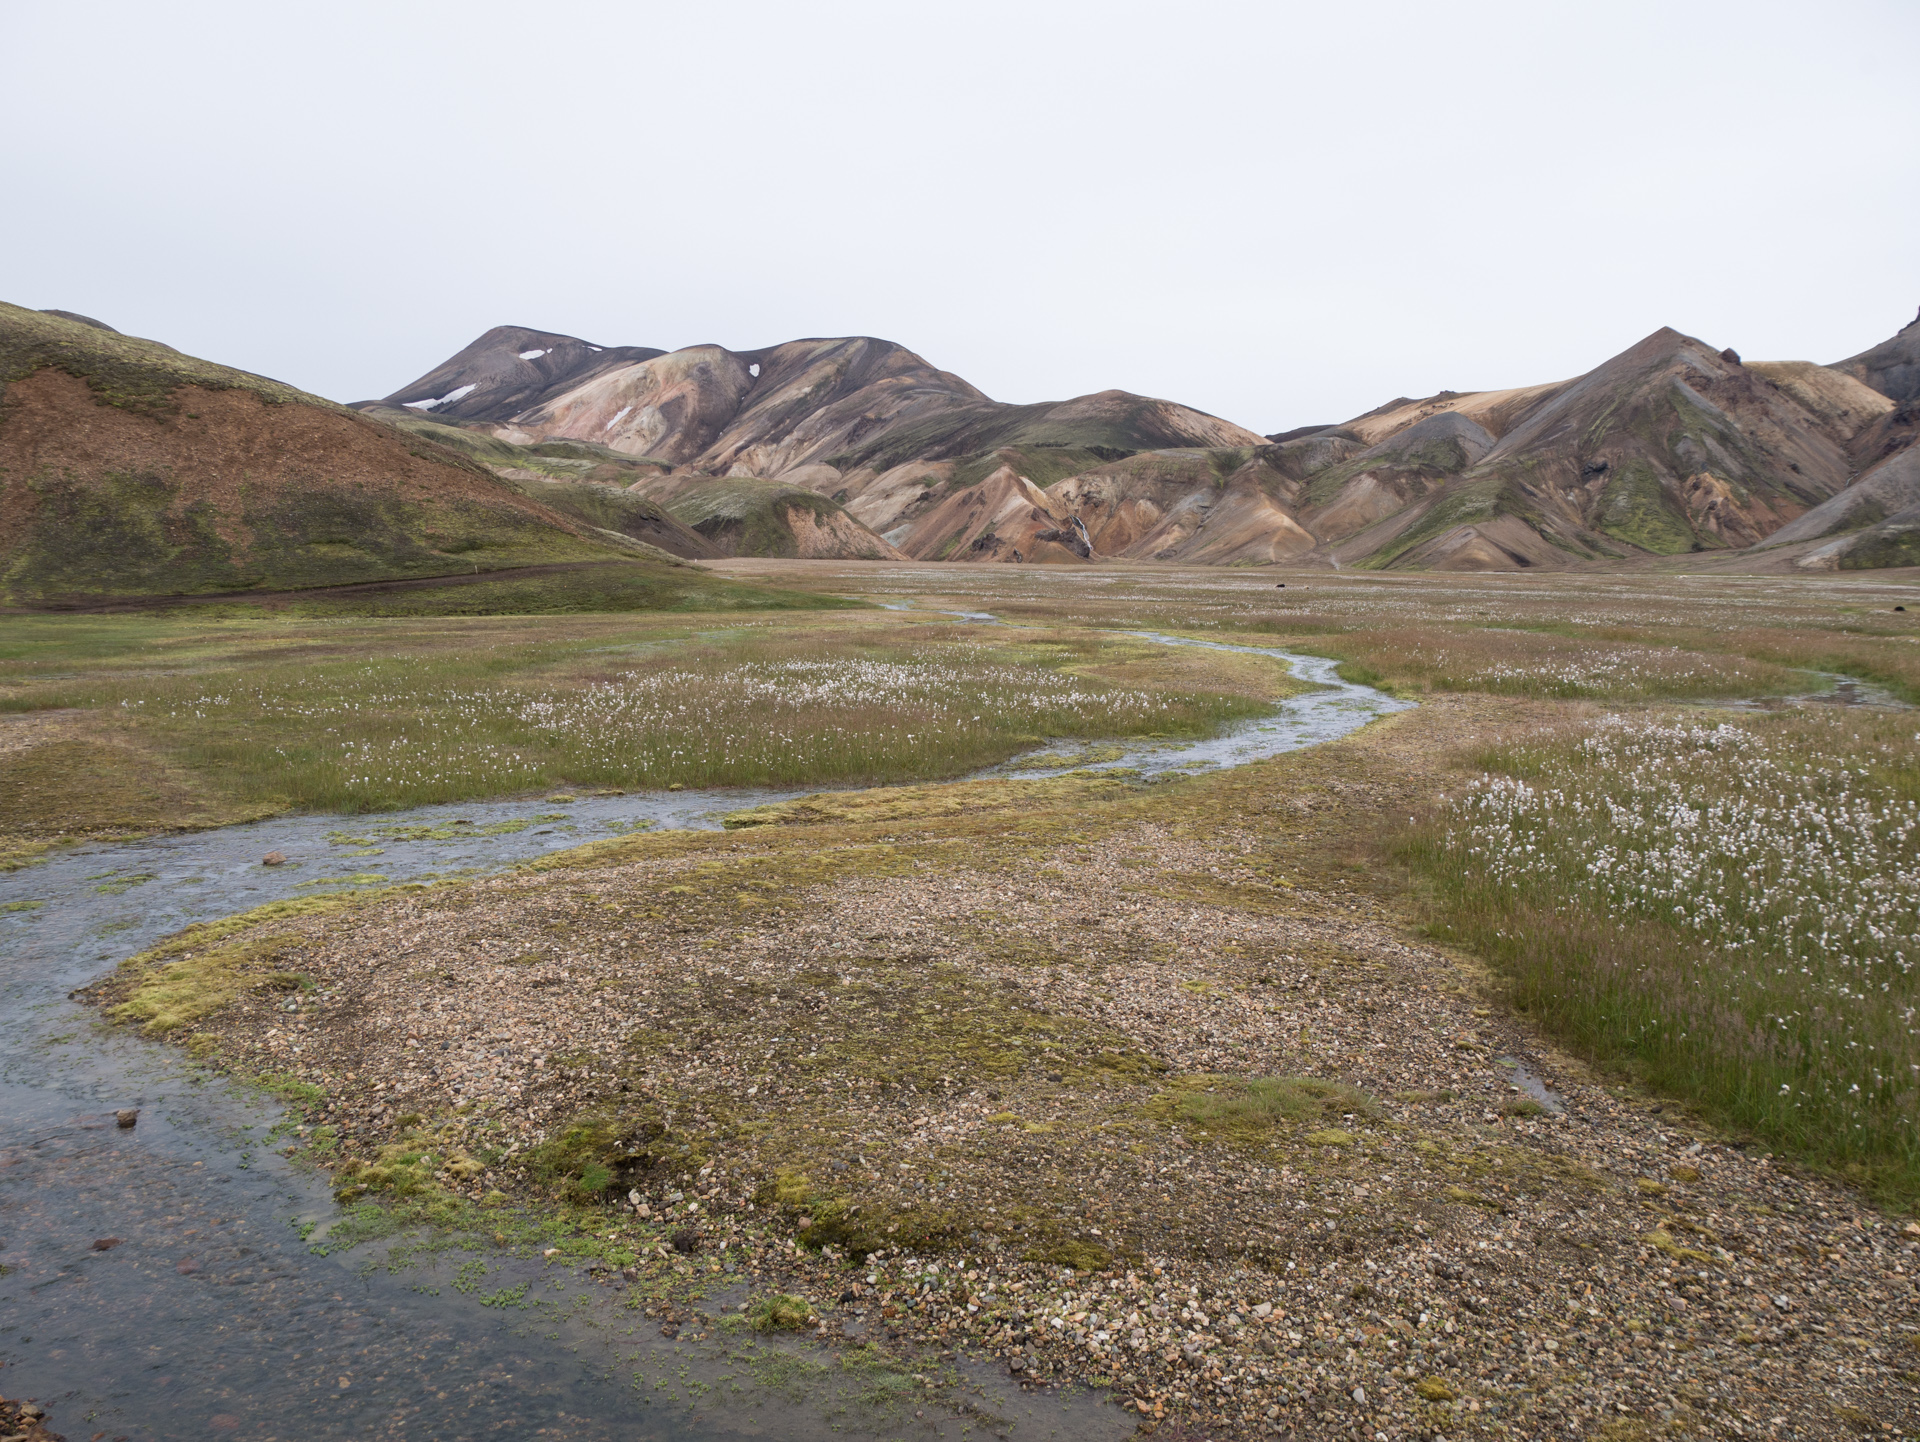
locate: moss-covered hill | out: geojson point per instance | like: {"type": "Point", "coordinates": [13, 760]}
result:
{"type": "Point", "coordinates": [128, 469]}
{"type": "Point", "coordinates": [589, 482]}
{"type": "Point", "coordinates": [743, 516]}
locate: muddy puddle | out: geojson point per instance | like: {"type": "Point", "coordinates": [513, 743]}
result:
{"type": "Point", "coordinates": [1530, 1085]}
{"type": "Point", "coordinates": [172, 1279]}
{"type": "Point", "coordinates": [1843, 691]}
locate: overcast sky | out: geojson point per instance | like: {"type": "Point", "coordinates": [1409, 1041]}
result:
{"type": "Point", "coordinates": [1280, 213]}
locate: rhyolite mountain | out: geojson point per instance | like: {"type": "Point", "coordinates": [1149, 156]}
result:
{"type": "Point", "coordinates": [1668, 447]}
{"type": "Point", "coordinates": [510, 369]}
{"type": "Point", "coordinates": [794, 412]}
{"type": "Point", "coordinates": [1873, 522]}
{"type": "Point", "coordinates": [129, 470]}
{"type": "Point", "coordinates": [1671, 447]}
{"type": "Point", "coordinates": [808, 415]}
{"type": "Point", "coordinates": [652, 502]}
{"type": "Point", "coordinates": [1892, 367]}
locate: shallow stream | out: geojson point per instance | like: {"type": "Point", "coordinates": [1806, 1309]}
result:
{"type": "Point", "coordinates": [161, 1281]}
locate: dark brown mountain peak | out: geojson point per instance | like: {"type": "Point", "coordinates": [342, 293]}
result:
{"type": "Point", "coordinates": [1586, 398]}
{"type": "Point", "coordinates": [1280, 438]}
{"type": "Point", "coordinates": [1892, 367]}
{"type": "Point", "coordinates": [1459, 437]}
{"type": "Point", "coordinates": [511, 369]}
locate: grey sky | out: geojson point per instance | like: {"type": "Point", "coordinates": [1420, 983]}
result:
{"type": "Point", "coordinates": [1280, 213]}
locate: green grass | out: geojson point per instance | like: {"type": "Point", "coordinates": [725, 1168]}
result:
{"type": "Point", "coordinates": [1541, 664]}
{"type": "Point", "coordinates": [1729, 912]}
{"type": "Point", "coordinates": [122, 370]}
{"type": "Point", "coordinates": [367, 717]}
{"type": "Point", "coordinates": [1235, 1107]}
{"type": "Point", "coordinates": [749, 517]}
{"type": "Point", "coordinates": [610, 589]}
{"type": "Point", "coordinates": [104, 788]}
{"type": "Point", "coordinates": [1635, 508]}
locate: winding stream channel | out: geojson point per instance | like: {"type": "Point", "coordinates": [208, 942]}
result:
{"type": "Point", "coordinates": [163, 1281]}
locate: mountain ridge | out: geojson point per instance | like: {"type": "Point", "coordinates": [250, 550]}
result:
{"type": "Point", "coordinates": [840, 402]}
{"type": "Point", "coordinates": [128, 467]}
{"type": "Point", "coordinates": [130, 470]}
{"type": "Point", "coordinates": [1671, 446]}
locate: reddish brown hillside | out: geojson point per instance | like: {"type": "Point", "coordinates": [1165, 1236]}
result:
{"type": "Point", "coordinates": [127, 469]}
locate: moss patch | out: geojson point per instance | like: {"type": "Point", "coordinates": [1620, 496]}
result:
{"type": "Point", "coordinates": [121, 370]}
{"type": "Point", "coordinates": [781, 1312]}
{"type": "Point", "coordinates": [416, 1168]}
{"type": "Point", "coordinates": [197, 984]}
{"type": "Point", "coordinates": [88, 785]}
{"type": "Point", "coordinates": [612, 587]}
{"type": "Point", "coordinates": [747, 517]}
{"type": "Point", "coordinates": [1474, 500]}
{"type": "Point", "coordinates": [1892, 543]}
{"type": "Point", "coordinates": [584, 1159]}
{"type": "Point", "coordinates": [924, 803]}
{"type": "Point", "coordinates": [142, 532]}
{"type": "Point", "coordinates": [195, 972]}
{"type": "Point", "coordinates": [1635, 508]}
{"type": "Point", "coordinates": [1249, 1110]}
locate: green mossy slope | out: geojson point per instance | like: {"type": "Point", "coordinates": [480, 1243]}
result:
{"type": "Point", "coordinates": [122, 370]}
{"type": "Point", "coordinates": [128, 469]}
{"type": "Point", "coordinates": [743, 516]}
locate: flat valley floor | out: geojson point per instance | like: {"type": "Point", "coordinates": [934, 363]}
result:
{"type": "Point", "coordinates": [1173, 1089]}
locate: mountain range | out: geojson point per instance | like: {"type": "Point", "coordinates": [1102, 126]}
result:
{"type": "Point", "coordinates": [128, 469]}
{"type": "Point", "coordinates": [1671, 447]}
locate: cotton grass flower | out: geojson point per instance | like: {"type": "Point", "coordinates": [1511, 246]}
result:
{"type": "Point", "coordinates": [1738, 904]}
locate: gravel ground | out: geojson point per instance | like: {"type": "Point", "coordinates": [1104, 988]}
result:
{"type": "Point", "coordinates": [25, 1421]}
{"type": "Point", "coordinates": [1007, 1065]}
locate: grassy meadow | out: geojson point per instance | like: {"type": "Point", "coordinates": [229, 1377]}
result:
{"type": "Point", "coordinates": [371, 716]}
{"type": "Point", "coordinates": [1602, 636]}
{"type": "Point", "coordinates": [1718, 900]}
{"type": "Point", "coordinates": [1730, 910]}
{"type": "Point", "coordinates": [1218, 1091]}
